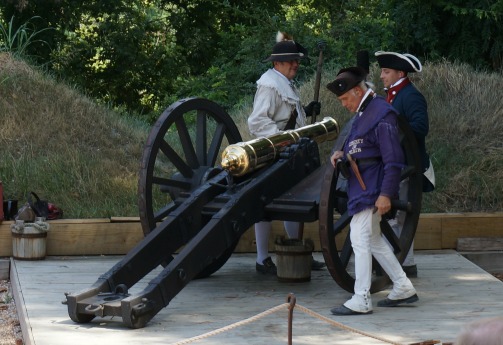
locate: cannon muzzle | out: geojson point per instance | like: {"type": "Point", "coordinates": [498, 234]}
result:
{"type": "Point", "coordinates": [245, 157]}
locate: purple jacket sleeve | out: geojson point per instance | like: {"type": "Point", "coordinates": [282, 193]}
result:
{"type": "Point", "coordinates": [392, 156]}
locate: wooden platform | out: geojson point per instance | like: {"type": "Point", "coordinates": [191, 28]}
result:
{"type": "Point", "coordinates": [452, 292]}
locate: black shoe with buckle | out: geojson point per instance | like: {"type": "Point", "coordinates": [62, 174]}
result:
{"type": "Point", "coordinates": [396, 302]}
{"type": "Point", "coordinates": [410, 271]}
{"type": "Point", "coordinates": [317, 265]}
{"type": "Point", "coordinates": [267, 267]}
{"type": "Point", "coordinates": [344, 311]}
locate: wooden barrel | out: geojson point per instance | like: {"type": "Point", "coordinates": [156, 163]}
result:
{"type": "Point", "coordinates": [293, 259]}
{"type": "Point", "coordinates": [29, 245]}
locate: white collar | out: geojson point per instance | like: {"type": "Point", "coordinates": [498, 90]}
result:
{"type": "Point", "coordinates": [369, 90]}
{"type": "Point", "coordinates": [398, 82]}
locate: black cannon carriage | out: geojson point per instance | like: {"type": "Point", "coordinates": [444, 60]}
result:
{"type": "Point", "coordinates": [194, 206]}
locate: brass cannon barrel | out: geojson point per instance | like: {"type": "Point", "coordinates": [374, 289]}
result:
{"type": "Point", "coordinates": [245, 157]}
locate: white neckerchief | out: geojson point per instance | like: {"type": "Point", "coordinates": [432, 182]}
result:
{"type": "Point", "coordinates": [282, 76]}
{"type": "Point", "coordinates": [287, 91]}
{"type": "Point", "coordinates": [281, 84]}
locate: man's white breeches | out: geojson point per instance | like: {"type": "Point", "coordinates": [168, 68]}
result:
{"type": "Point", "coordinates": [366, 240]}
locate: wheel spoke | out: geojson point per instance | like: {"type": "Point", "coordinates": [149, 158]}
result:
{"type": "Point", "coordinates": [407, 172]}
{"type": "Point", "coordinates": [341, 223]}
{"type": "Point", "coordinates": [201, 137]}
{"type": "Point", "coordinates": [177, 161]}
{"type": "Point", "coordinates": [216, 142]}
{"type": "Point", "coordinates": [167, 182]}
{"type": "Point", "coordinates": [186, 141]}
{"type": "Point", "coordinates": [160, 214]}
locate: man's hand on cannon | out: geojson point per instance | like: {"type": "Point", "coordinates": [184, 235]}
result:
{"type": "Point", "coordinates": [337, 155]}
{"type": "Point", "coordinates": [313, 108]}
{"type": "Point", "coordinates": [382, 205]}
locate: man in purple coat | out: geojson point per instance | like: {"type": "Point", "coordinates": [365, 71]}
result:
{"type": "Point", "coordinates": [376, 159]}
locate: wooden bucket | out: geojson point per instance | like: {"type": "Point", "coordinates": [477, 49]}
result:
{"type": "Point", "coordinates": [293, 260]}
{"type": "Point", "coordinates": [29, 245]}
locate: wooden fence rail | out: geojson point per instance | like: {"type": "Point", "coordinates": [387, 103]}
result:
{"type": "Point", "coordinates": [117, 235]}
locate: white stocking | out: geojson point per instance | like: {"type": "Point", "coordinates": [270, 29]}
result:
{"type": "Point", "coordinates": [262, 233]}
{"type": "Point", "coordinates": [292, 229]}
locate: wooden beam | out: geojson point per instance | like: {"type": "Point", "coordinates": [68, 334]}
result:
{"type": "Point", "coordinates": [118, 235]}
{"type": "Point", "coordinates": [460, 225]}
{"type": "Point", "coordinates": [489, 261]}
{"type": "Point", "coordinates": [429, 232]}
{"type": "Point", "coordinates": [82, 237]}
{"type": "Point", "coordinates": [471, 244]}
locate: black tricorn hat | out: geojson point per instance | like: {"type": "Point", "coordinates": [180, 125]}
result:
{"type": "Point", "coordinates": [401, 62]}
{"type": "Point", "coordinates": [286, 49]}
{"type": "Point", "coordinates": [346, 79]}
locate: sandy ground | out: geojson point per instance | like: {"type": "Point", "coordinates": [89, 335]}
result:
{"type": "Point", "coordinates": [10, 330]}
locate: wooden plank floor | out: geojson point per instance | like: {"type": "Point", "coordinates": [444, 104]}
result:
{"type": "Point", "coordinates": [452, 291]}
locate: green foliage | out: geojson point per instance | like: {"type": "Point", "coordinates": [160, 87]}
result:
{"type": "Point", "coordinates": [245, 37]}
{"type": "Point", "coordinates": [466, 31]}
{"type": "Point", "coordinates": [141, 55]}
{"type": "Point", "coordinates": [122, 57]}
{"type": "Point", "coordinates": [17, 40]}
{"type": "Point", "coordinates": [473, 33]}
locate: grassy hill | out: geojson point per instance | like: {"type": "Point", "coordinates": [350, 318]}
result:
{"type": "Point", "coordinates": [85, 158]}
{"type": "Point", "coordinates": [69, 150]}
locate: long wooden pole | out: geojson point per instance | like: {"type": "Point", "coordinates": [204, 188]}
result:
{"type": "Point", "coordinates": [317, 82]}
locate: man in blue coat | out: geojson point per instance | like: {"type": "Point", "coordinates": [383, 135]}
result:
{"type": "Point", "coordinates": [410, 103]}
{"type": "Point", "coordinates": [376, 160]}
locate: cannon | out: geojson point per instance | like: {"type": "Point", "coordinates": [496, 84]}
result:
{"type": "Point", "coordinates": [200, 189]}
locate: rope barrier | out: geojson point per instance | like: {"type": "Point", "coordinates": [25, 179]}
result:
{"type": "Point", "coordinates": [234, 325]}
{"type": "Point", "coordinates": [342, 326]}
{"type": "Point", "coordinates": [290, 307]}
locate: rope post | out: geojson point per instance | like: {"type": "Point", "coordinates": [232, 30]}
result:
{"type": "Point", "coordinates": [291, 300]}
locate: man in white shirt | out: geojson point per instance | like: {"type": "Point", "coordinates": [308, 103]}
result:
{"type": "Point", "coordinates": [276, 108]}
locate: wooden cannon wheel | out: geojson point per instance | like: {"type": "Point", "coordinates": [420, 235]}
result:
{"type": "Point", "coordinates": [334, 233]}
{"type": "Point", "coordinates": [182, 152]}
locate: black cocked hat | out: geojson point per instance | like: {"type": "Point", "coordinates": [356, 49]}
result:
{"type": "Point", "coordinates": [346, 79]}
{"type": "Point", "coordinates": [400, 62]}
{"type": "Point", "coordinates": [286, 49]}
